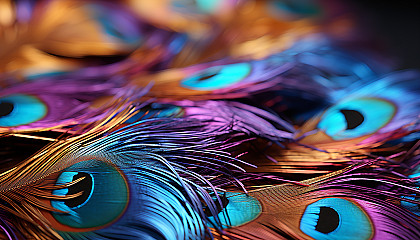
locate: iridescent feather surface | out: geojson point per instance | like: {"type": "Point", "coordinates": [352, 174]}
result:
{"type": "Point", "coordinates": [204, 119]}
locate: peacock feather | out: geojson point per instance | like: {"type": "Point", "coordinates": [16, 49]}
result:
{"type": "Point", "coordinates": [204, 119]}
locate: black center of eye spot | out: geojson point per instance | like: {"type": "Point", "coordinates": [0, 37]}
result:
{"type": "Point", "coordinates": [84, 185]}
{"type": "Point", "coordinates": [206, 76]}
{"type": "Point", "coordinates": [225, 202]}
{"type": "Point", "coordinates": [6, 108]}
{"type": "Point", "coordinates": [353, 118]}
{"type": "Point", "coordinates": [328, 220]}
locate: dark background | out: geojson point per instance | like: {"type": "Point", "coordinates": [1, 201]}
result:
{"type": "Point", "coordinates": [395, 27]}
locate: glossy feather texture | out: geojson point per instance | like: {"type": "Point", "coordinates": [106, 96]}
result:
{"type": "Point", "coordinates": [147, 164]}
{"type": "Point", "coordinates": [205, 119]}
{"type": "Point", "coordinates": [341, 205]}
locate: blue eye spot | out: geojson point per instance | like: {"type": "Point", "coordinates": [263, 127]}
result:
{"type": "Point", "coordinates": [335, 218]}
{"type": "Point", "coordinates": [103, 198]}
{"type": "Point", "coordinates": [208, 6]}
{"type": "Point", "coordinates": [356, 118]}
{"type": "Point", "coordinates": [217, 77]}
{"type": "Point", "coordinates": [19, 109]}
{"type": "Point", "coordinates": [237, 209]}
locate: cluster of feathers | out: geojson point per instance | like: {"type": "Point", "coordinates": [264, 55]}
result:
{"type": "Point", "coordinates": [218, 119]}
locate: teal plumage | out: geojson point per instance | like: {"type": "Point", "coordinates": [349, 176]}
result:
{"type": "Point", "coordinates": [178, 119]}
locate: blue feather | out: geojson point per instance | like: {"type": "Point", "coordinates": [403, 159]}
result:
{"type": "Point", "coordinates": [133, 183]}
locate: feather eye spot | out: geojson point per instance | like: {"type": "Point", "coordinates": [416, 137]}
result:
{"type": "Point", "coordinates": [21, 109]}
{"type": "Point", "coordinates": [335, 218]}
{"type": "Point", "coordinates": [103, 196]}
{"type": "Point", "coordinates": [225, 202]}
{"type": "Point", "coordinates": [328, 220]}
{"type": "Point", "coordinates": [5, 108]}
{"type": "Point", "coordinates": [353, 118]}
{"type": "Point", "coordinates": [356, 118]}
{"type": "Point", "coordinates": [85, 186]}
{"type": "Point", "coordinates": [237, 209]}
{"type": "Point", "coordinates": [206, 76]}
{"type": "Point", "coordinates": [217, 77]}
